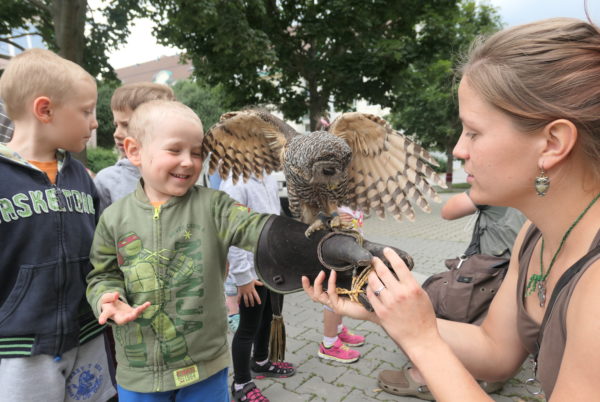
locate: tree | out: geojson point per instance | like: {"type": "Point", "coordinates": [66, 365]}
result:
{"type": "Point", "coordinates": [71, 28]}
{"type": "Point", "coordinates": [208, 102]}
{"type": "Point", "coordinates": [426, 105]}
{"type": "Point", "coordinates": [296, 55]}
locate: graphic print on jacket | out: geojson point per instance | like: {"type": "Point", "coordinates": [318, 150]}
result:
{"type": "Point", "coordinates": [159, 277]}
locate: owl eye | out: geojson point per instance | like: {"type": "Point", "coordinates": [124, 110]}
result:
{"type": "Point", "coordinates": [328, 171]}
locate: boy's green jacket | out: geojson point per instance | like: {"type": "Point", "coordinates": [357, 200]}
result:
{"type": "Point", "coordinates": [174, 257]}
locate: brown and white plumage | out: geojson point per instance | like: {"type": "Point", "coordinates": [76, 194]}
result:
{"type": "Point", "coordinates": [360, 162]}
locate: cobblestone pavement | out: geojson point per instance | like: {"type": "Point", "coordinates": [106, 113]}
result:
{"type": "Point", "coordinates": [429, 240]}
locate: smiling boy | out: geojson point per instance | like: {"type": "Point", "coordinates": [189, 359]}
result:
{"type": "Point", "coordinates": [159, 263]}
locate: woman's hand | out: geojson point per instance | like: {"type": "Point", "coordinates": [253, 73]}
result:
{"type": "Point", "coordinates": [340, 305]}
{"type": "Point", "coordinates": [402, 306]}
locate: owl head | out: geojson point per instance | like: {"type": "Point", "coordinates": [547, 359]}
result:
{"type": "Point", "coordinates": [319, 157]}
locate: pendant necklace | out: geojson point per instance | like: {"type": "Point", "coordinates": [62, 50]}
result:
{"type": "Point", "coordinates": [538, 281]}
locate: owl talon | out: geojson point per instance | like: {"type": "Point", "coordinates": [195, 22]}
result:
{"type": "Point", "coordinates": [323, 222]}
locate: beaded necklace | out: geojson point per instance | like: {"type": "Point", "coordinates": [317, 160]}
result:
{"type": "Point", "coordinates": [538, 281]}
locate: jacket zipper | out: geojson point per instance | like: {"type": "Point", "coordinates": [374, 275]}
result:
{"type": "Point", "coordinates": [61, 269]}
{"type": "Point", "coordinates": [156, 229]}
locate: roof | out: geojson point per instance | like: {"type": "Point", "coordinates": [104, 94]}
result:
{"type": "Point", "coordinates": [164, 70]}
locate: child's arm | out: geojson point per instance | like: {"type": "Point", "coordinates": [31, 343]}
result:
{"type": "Point", "coordinates": [111, 307]}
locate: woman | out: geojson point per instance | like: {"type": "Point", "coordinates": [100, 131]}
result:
{"type": "Point", "coordinates": [530, 107]}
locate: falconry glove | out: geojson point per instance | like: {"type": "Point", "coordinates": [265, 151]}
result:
{"type": "Point", "coordinates": [284, 254]}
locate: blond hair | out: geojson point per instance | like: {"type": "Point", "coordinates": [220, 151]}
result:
{"type": "Point", "coordinates": [149, 115]}
{"type": "Point", "coordinates": [130, 96]}
{"type": "Point", "coordinates": [540, 72]}
{"type": "Point", "coordinates": [35, 73]}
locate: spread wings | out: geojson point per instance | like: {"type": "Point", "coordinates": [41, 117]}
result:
{"type": "Point", "coordinates": [388, 170]}
{"type": "Point", "coordinates": [246, 143]}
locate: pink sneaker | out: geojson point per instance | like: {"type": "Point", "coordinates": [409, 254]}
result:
{"type": "Point", "coordinates": [338, 352]}
{"type": "Point", "coordinates": [350, 338]}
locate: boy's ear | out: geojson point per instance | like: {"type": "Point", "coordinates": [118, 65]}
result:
{"type": "Point", "coordinates": [132, 150]}
{"type": "Point", "coordinates": [42, 109]}
{"type": "Point", "coordinates": [559, 138]}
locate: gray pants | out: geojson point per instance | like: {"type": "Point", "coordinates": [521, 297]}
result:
{"type": "Point", "coordinates": [80, 375]}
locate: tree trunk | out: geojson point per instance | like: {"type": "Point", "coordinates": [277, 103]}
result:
{"type": "Point", "coordinates": [69, 30]}
{"type": "Point", "coordinates": [449, 164]}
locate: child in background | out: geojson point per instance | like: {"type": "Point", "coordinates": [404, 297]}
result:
{"type": "Point", "coordinates": [115, 182]}
{"type": "Point", "coordinates": [159, 263]}
{"type": "Point", "coordinates": [336, 336]}
{"type": "Point", "coordinates": [51, 347]}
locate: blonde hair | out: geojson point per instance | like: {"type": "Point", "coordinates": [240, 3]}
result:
{"type": "Point", "coordinates": [540, 72]}
{"type": "Point", "coordinates": [35, 73]}
{"type": "Point", "coordinates": [130, 96]}
{"type": "Point", "coordinates": [149, 115]}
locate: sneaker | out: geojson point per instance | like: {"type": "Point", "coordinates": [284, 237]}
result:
{"type": "Point", "coordinates": [338, 352]}
{"type": "Point", "coordinates": [272, 369]}
{"type": "Point", "coordinates": [248, 393]}
{"type": "Point", "coordinates": [233, 321]}
{"type": "Point", "coordinates": [350, 338]}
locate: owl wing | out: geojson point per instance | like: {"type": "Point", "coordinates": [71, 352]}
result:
{"type": "Point", "coordinates": [245, 143]}
{"type": "Point", "coordinates": [388, 170]}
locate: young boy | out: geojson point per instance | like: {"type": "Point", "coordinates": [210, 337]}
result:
{"type": "Point", "coordinates": [51, 348]}
{"type": "Point", "coordinates": [159, 263]}
{"type": "Point", "coordinates": [115, 182]}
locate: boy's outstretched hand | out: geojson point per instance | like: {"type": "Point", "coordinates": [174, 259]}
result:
{"type": "Point", "coordinates": [112, 307]}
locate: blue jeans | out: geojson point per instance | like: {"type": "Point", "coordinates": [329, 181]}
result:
{"type": "Point", "coordinates": [214, 388]}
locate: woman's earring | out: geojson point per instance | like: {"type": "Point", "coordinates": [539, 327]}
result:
{"type": "Point", "coordinates": [542, 183]}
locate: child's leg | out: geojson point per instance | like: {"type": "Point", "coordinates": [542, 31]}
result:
{"type": "Point", "coordinates": [331, 321]}
{"type": "Point", "coordinates": [261, 366]}
{"type": "Point", "coordinates": [241, 345]}
{"type": "Point", "coordinates": [81, 373]}
{"type": "Point", "coordinates": [213, 388]}
{"type": "Point", "coordinates": [261, 340]}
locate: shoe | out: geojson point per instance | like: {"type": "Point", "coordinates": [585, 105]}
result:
{"type": "Point", "coordinates": [248, 393]}
{"type": "Point", "coordinates": [491, 387]}
{"type": "Point", "coordinates": [350, 338]}
{"type": "Point", "coordinates": [272, 369]}
{"type": "Point", "coordinates": [399, 382]}
{"type": "Point", "coordinates": [338, 352]}
{"type": "Point", "coordinates": [233, 322]}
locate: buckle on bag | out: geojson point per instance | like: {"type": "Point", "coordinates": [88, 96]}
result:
{"type": "Point", "coordinates": [462, 258]}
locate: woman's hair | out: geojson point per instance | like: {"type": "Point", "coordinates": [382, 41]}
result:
{"type": "Point", "coordinates": [543, 71]}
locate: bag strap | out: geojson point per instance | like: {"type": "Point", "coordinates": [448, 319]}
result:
{"type": "Point", "coordinates": [474, 245]}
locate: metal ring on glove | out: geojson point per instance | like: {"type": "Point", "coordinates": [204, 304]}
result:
{"type": "Point", "coordinates": [378, 291]}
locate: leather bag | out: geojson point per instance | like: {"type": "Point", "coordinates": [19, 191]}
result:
{"type": "Point", "coordinates": [465, 291]}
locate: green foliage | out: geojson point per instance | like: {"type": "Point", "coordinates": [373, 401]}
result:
{"type": "Point", "coordinates": [105, 29]}
{"type": "Point", "coordinates": [208, 102]}
{"type": "Point", "coordinates": [106, 127]}
{"type": "Point", "coordinates": [426, 105]}
{"type": "Point", "coordinates": [99, 158]}
{"type": "Point", "coordinates": [442, 165]}
{"type": "Point", "coordinates": [298, 55]}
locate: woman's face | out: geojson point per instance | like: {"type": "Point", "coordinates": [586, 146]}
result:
{"type": "Point", "coordinates": [500, 161]}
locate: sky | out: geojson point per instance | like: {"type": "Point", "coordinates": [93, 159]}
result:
{"type": "Point", "coordinates": [142, 47]}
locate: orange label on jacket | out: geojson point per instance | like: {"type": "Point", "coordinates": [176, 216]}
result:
{"type": "Point", "coordinates": [186, 376]}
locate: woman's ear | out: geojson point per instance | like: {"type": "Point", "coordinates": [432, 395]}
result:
{"type": "Point", "coordinates": [133, 150]}
{"type": "Point", "coordinates": [42, 109]}
{"type": "Point", "coordinates": [559, 137]}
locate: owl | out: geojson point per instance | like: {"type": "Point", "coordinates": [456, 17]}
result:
{"type": "Point", "coordinates": [360, 162]}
